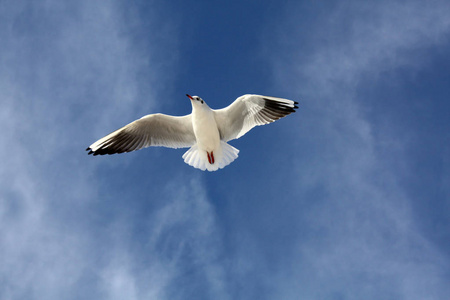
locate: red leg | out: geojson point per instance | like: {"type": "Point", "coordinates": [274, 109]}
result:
{"type": "Point", "coordinates": [209, 157]}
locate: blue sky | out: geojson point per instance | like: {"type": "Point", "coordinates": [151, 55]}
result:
{"type": "Point", "coordinates": [349, 198]}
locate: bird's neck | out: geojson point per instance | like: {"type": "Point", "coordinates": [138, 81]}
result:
{"type": "Point", "coordinates": [201, 111]}
{"type": "Point", "coordinates": [203, 115]}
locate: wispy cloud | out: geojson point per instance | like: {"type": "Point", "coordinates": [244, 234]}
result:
{"type": "Point", "coordinates": [178, 254]}
{"type": "Point", "coordinates": [366, 240]}
{"type": "Point", "coordinates": [343, 226]}
{"type": "Point", "coordinates": [58, 60]}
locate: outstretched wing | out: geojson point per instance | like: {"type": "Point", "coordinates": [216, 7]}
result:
{"type": "Point", "coordinates": [249, 111]}
{"type": "Point", "coordinates": [150, 130]}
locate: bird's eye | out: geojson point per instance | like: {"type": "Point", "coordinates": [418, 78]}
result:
{"type": "Point", "coordinates": [202, 101]}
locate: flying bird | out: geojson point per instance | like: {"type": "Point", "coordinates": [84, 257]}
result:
{"type": "Point", "coordinates": [206, 131]}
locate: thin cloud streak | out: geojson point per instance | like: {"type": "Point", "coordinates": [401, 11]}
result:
{"type": "Point", "coordinates": [366, 243]}
{"type": "Point", "coordinates": [57, 59]}
{"type": "Point", "coordinates": [181, 253]}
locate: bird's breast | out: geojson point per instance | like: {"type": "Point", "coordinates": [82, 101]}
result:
{"type": "Point", "coordinates": [206, 131]}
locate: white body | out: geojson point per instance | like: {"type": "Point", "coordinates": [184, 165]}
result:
{"type": "Point", "coordinates": [205, 128]}
{"type": "Point", "coordinates": [208, 153]}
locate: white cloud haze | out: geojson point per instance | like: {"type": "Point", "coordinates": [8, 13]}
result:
{"type": "Point", "coordinates": [325, 214]}
{"type": "Point", "coordinates": [367, 244]}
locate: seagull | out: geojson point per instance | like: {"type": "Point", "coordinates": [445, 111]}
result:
{"type": "Point", "coordinates": [206, 131]}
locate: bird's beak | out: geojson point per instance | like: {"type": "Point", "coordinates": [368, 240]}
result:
{"type": "Point", "coordinates": [189, 96]}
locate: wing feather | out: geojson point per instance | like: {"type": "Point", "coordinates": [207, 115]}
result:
{"type": "Point", "coordinates": [151, 130]}
{"type": "Point", "coordinates": [249, 111]}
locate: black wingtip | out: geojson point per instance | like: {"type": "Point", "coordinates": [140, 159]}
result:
{"type": "Point", "coordinates": [90, 150]}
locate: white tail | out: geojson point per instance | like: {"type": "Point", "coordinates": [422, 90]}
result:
{"type": "Point", "coordinates": [223, 156]}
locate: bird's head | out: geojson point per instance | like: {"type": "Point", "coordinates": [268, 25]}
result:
{"type": "Point", "coordinates": [197, 101]}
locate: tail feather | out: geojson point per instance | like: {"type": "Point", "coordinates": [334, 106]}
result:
{"type": "Point", "coordinates": [223, 156]}
{"type": "Point", "coordinates": [229, 154]}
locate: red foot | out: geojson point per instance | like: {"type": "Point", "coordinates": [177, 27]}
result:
{"type": "Point", "coordinates": [210, 157]}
